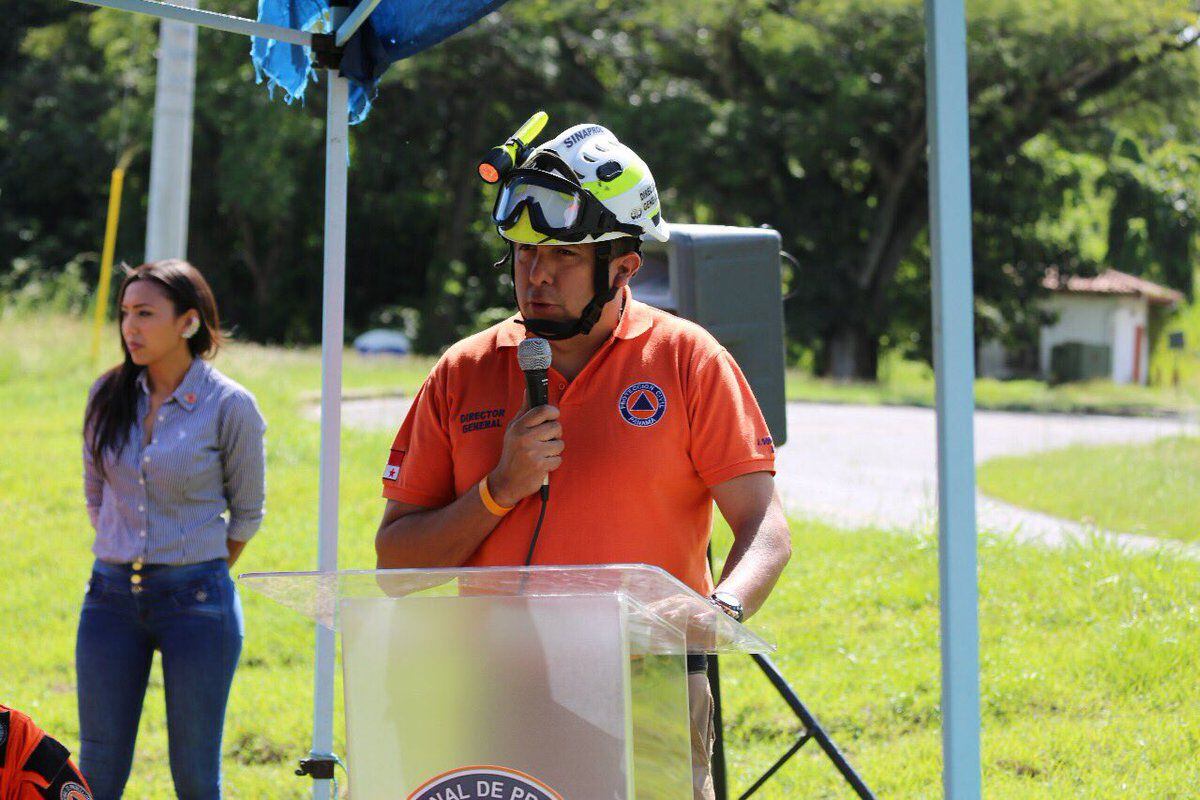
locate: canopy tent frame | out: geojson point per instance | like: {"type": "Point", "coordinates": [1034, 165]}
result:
{"type": "Point", "coordinates": [333, 315]}
{"type": "Point", "coordinates": [954, 362]}
{"type": "Point", "coordinates": [208, 19]}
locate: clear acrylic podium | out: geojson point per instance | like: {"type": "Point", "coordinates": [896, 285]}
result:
{"type": "Point", "coordinates": [521, 683]}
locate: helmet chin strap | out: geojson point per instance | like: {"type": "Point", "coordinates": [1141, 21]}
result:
{"type": "Point", "coordinates": [557, 330]}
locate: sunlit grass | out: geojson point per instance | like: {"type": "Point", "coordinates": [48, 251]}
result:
{"type": "Point", "coordinates": [1086, 658]}
{"type": "Point", "coordinates": [1144, 488]}
{"type": "Point", "coordinates": [1087, 653]}
{"type": "Point", "coordinates": [45, 370]}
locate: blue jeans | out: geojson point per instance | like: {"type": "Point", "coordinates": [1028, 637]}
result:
{"type": "Point", "coordinates": [193, 615]}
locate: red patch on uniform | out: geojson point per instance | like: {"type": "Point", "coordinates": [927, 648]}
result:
{"type": "Point", "coordinates": [392, 471]}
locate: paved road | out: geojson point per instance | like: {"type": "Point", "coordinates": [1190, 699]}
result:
{"type": "Point", "coordinates": [877, 465]}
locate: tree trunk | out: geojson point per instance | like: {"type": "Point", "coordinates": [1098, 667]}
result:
{"type": "Point", "coordinates": [853, 354]}
{"type": "Point", "coordinates": [441, 314]}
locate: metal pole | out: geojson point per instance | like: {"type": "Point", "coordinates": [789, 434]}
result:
{"type": "Point", "coordinates": [171, 151]}
{"type": "Point", "coordinates": [337, 155]}
{"type": "Point", "coordinates": [954, 366]}
{"type": "Point", "coordinates": [106, 257]}
{"type": "Point", "coordinates": [719, 776]}
{"type": "Point", "coordinates": [209, 19]}
{"type": "Point", "coordinates": [354, 21]}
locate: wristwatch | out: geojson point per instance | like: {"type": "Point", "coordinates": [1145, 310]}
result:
{"type": "Point", "coordinates": [729, 603]}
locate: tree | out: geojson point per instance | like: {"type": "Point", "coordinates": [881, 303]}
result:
{"type": "Point", "coordinates": [811, 117]}
{"type": "Point", "coordinates": [805, 115]}
{"type": "Point", "coordinates": [1155, 215]}
{"type": "Point", "coordinates": [64, 107]}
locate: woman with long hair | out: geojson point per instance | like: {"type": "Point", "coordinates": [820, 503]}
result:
{"type": "Point", "coordinates": [174, 478]}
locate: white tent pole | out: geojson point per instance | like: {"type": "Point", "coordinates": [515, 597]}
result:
{"type": "Point", "coordinates": [209, 19]}
{"type": "Point", "coordinates": [337, 153]}
{"type": "Point", "coordinates": [171, 148]}
{"type": "Point", "coordinates": [954, 365]}
{"type": "Point", "coordinates": [354, 21]}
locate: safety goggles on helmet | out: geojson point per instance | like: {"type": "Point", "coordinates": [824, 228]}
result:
{"type": "Point", "coordinates": [557, 208]}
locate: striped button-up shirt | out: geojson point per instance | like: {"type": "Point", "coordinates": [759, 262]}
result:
{"type": "Point", "coordinates": [163, 501]}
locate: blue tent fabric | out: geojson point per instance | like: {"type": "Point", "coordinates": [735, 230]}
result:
{"type": "Point", "coordinates": [396, 29]}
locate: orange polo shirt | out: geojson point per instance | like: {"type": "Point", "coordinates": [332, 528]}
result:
{"type": "Point", "coordinates": [658, 416]}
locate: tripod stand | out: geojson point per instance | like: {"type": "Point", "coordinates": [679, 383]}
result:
{"type": "Point", "coordinates": [812, 731]}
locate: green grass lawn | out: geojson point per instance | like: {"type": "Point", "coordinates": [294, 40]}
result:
{"type": "Point", "coordinates": [1149, 488]}
{"type": "Point", "coordinates": [1088, 654]}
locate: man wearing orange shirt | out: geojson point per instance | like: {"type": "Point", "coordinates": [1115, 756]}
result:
{"type": "Point", "coordinates": [649, 419]}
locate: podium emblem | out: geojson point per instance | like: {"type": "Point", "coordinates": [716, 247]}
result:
{"type": "Point", "coordinates": [483, 783]}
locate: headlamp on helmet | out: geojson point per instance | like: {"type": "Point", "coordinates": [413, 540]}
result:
{"type": "Point", "coordinates": [500, 160]}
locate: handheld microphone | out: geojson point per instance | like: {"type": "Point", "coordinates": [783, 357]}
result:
{"type": "Point", "coordinates": [533, 357]}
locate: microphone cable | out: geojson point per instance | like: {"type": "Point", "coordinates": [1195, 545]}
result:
{"type": "Point", "coordinates": [537, 529]}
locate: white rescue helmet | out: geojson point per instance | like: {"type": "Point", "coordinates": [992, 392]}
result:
{"type": "Point", "coordinates": [534, 208]}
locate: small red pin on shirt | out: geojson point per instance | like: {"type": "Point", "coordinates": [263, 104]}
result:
{"type": "Point", "coordinates": [190, 397]}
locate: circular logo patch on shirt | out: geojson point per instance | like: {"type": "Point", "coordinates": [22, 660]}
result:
{"type": "Point", "coordinates": [467, 783]}
{"type": "Point", "coordinates": [73, 791]}
{"type": "Point", "coordinates": [642, 404]}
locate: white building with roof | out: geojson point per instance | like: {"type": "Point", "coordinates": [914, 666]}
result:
{"type": "Point", "coordinates": [1110, 312]}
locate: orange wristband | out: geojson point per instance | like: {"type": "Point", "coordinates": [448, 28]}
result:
{"type": "Point", "coordinates": [489, 502]}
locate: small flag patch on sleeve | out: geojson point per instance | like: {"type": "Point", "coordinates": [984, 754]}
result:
{"type": "Point", "coordinates": [392, 471]}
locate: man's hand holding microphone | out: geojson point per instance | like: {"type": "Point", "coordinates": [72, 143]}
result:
{"type": "Point", "coordinates": [533, 444]}
{"type": "Point", "coordinates": [413, 536]}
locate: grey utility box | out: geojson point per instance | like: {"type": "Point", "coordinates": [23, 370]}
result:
{"type": "Point", "coordinates": [728, 281]}
{"type": "Point", "coordinates": [1079, 361]}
